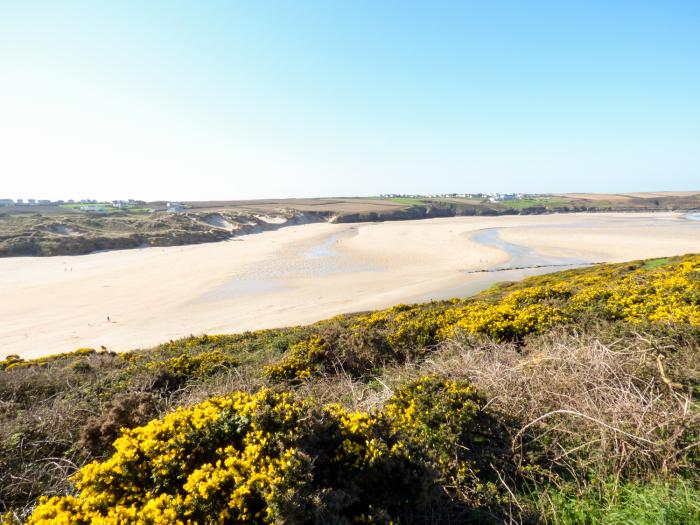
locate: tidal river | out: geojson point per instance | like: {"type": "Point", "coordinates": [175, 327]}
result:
{"type": "Point", "coordinates": [300, 274]}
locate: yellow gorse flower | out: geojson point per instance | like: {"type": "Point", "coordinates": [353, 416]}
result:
{"type": "Point", "coordinates": [245, 458]}
{"type": "Point", "coordinates": [630, 292]}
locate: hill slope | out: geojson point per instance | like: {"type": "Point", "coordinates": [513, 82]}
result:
{"type": "Point", "coordinates": [566, 398]}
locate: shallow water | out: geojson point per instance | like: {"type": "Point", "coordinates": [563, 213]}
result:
{"type": "Point", "coordinates": [523, 262]}
{"type": "Point", "coordinates": [694, 216]}
{"type": "Point", "coordinates": [521, 256]}
{"type": "Point", "coordinates": [323, 249]}
{"type": "Point", "coordinates": [241, 287]}
{"type": "Point", "coordinates": [317, 260]}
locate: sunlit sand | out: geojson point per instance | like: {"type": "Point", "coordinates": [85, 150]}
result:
{"type": "Point", "coordinates": [138, 298]}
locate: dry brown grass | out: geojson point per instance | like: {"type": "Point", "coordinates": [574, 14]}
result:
{"type": "Point", "coordinates": [581, 406]}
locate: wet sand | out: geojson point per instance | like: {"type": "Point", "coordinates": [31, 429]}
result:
{"type": "Point", "coordinates": [302, 274]}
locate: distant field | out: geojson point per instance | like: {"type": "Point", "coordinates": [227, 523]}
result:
{"type": "Point", "coordinates": [628, 196]}
{"type": "Point", "coordinates": [409, 201]}
{"type": "Point", "coordinates": [109, 208]}
{"type": "Point", "coordinates": [397, 208]}
{"type": "Point", "coordinates": [67, 230]}
{"type": "Point", "coordinates": [340, 205]}
{"type": "Point", "coordinates": [681, 199]}
{"type": "Point", "coordinates": [19, 210]}
{"type": "Point", "coordinates": [520, 204]}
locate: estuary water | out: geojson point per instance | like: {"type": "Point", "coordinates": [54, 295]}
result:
{"type": "Point", "coordinates": [522, 262]}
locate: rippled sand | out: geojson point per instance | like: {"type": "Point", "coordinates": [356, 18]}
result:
{"type": "Point", "coordinates": [300, 274]}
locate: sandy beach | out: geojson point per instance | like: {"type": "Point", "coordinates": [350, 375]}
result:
{"type": "Point", "coordinates": [138, 298]}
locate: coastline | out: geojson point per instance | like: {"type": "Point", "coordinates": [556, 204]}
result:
{"type": "Point", "coordinates": [51, 238]}
{"type": "Point", "coordinates": [297, 275]}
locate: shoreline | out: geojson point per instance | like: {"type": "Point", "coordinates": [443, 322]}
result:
{"type": "Point", "coordinates": [533, 267]}
{"type": "Point", "coordinates": [299, 274]}
{"type": "Point", "coordinates": [300, 218]}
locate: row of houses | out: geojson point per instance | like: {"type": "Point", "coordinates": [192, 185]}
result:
{"type": "Point", "coordinates": [29, 202]}
{"type": "Point", "coordinates": [498, 197]}
{"type": "Point", "coordinates": [42, 202]}
{"type": "Point", "coordinates": [492, 197]}
{"type": "Point", "coordinates": [83, 202]}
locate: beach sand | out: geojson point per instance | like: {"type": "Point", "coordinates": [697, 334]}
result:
{"type": "Point", "coordinates": [297, 275]}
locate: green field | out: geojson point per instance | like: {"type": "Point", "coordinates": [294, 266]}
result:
{"type": "Point", "coordinates": [109, 207]}
{"type": "Point", "coordinates": [408, 201]}
{"type": "Point", "coordinates": [528, 203]}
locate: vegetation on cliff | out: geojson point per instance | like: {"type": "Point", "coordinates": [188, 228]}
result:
{"type": "Point", "coordinates": [35, 234]}
{"type": "Point", "coordinates": [564, 398]}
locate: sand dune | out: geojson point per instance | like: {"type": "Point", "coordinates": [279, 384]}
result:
{"type": "Point", "coordinates": [295, 275]}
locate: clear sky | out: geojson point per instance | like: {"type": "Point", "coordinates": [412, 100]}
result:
{"type": "Point", "coordinates": [226, 100]}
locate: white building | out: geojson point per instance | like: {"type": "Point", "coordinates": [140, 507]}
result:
{"type": "Point", "coordinates": [174, 207]}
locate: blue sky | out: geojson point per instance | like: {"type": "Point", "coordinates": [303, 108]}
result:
{"type": "Point", "coordinates": [213, 100]}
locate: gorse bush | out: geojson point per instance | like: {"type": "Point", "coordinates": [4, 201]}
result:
{"type": "Point", "coordinates": [267, 457]}
{"type": "Point", "coordinates": [197, 365]}
{"type": "Point", "coordinates": [58, 412]}
{"type": "Point", "coordinates": [14, 361]}
{"type": "Point", "coordinates": [591, 374]}
{"type": "Point", "coordinates": [303, 358]}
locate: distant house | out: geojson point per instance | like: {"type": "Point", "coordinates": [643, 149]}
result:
{"type": "Point", "coordinates": [44, 202]}
{"type": "Point", "coordinates": [6, 202]}
{"type": "Point", "coordinates": [174, 207]}
{"type": "Point", "coordinates": [93, 208]}
{"type": "Point", "coordinates": [498, 197]}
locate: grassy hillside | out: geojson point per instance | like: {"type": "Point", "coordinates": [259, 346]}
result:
{"type": "Point", "coordinates": [564, 398]}
{"type": "Point", "coordinates": [76, 233]}
{"type": "Point", "coordinates": [546, 203]}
